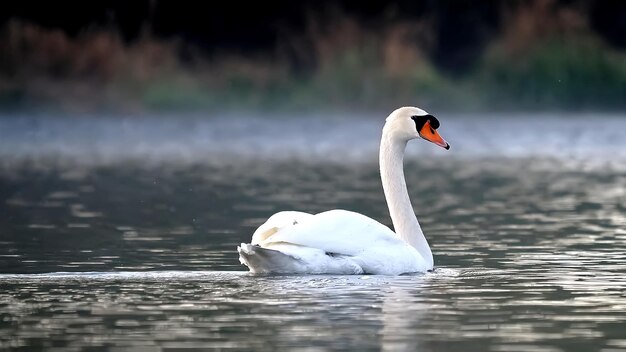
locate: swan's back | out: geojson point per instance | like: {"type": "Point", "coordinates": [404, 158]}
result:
{"type": "Point", "coordinates": [336, 231]}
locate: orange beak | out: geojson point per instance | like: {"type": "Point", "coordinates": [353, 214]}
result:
{"type": "Point", "coordinates": [430, 134]}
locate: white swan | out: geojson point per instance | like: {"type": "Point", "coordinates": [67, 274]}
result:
{"type": "Point", "coordinates": [344, 242]}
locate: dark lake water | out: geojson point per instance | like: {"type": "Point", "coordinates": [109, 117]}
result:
{"type": "Point", "coordinates": [120, 233]}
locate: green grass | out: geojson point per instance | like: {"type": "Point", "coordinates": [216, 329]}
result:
{"type": "Point", "coordinates": [552, 75]}
{"type": "Point", "coordinates": [576, 74]}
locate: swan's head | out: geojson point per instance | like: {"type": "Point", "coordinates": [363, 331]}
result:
{"type": "Point", "coordinates": [409, 122]}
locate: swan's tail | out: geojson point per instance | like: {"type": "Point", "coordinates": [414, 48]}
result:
{"type": "Point", "coordinates": [263, 261]}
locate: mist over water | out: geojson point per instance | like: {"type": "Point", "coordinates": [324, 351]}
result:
{"type": "Point", "coordinates": [121, 232]}
{"type": "Point", "coordinates": [308, 137]}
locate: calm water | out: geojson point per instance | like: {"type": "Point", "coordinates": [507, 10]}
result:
{"type": "Point", "coordinates": [121, 233]}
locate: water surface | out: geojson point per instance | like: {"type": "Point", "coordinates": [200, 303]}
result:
{"type": "Point", "coordinates": [120, 232]}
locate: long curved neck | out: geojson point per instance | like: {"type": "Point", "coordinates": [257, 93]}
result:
{"type": "Point", "coordinates": [394, 185]}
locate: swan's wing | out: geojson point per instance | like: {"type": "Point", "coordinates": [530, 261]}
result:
{"type": "Point", "coordinates": [338, 232]}
{"type": "Point", "coordinates": [333, 242]}
{"type": "Point", "coordinates": [277, 222]}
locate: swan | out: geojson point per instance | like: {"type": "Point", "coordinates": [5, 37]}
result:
{"type": "Point", "coordinates": [344, 242]}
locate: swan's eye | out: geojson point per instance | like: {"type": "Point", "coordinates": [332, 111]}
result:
{"type": "Point", "coordinates": [421, 120]}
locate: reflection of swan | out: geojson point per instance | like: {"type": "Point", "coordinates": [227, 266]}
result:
{"type": "Point", "coordinates": [403, 315]}
{"type": "Point", "coordinates": [344, 242]}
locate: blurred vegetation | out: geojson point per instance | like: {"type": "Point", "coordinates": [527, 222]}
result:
{"type": "Point", "coordinates": [551, 60]}
{"type": "Point", "coordinates": [544, 57]}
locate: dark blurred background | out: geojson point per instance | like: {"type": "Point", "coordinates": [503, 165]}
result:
{"type": "Point", "coordinates": [168, 55]}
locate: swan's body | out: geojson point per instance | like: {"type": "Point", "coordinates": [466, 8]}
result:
{"type": "Point", "coordinates": [332, 242]}
{"type": "Point", "coordinates": [345, 242]}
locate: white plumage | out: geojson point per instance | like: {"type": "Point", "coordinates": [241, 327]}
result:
{"type": "Point", "coordinates": [345, 242]}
